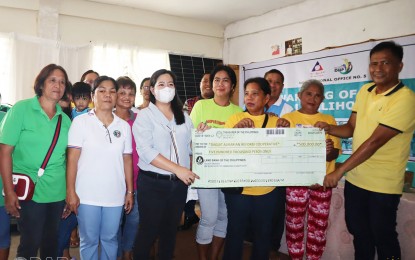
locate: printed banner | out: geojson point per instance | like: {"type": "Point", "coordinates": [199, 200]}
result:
{"type": "Point", "coordinates": [343, 71]}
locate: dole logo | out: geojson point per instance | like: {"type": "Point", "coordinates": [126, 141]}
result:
{"type": "Point", "coordinates": [345, 68]}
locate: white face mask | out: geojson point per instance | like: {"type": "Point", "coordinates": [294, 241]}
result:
{"type": "Point", "coordinates": [164, 95]}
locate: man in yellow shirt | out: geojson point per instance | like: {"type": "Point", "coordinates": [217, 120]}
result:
{"type": "Point", "coordinates": [382, 123]}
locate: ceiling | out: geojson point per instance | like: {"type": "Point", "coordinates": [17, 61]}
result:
{"type": "Point", "coordinates": [221, 12]}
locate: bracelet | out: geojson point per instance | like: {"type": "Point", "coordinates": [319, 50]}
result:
{"type": "Point", "coordinates": [130, 192]}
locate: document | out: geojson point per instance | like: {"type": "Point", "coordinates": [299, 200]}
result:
{"type": "Point", "coordinates": [247, 157]}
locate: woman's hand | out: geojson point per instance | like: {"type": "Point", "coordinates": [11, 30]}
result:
{"type": "Point", "coordinates": [129, 202]}
{"type": "Point", "coordinates": [329, 146]}
{"type": "Point", "coordinates": [72, 201]}
{"type": "Point", "coordinates": [186, 175]}
{"type": "Point", "coordinates": [66, 212]}
{"type": "Point", "coordinates": [12, 205]}
{"type": "Point", "coordinates": [315, 186]}
{"type": "Point", "coordinates": [323, 126]}
{"type": "Point", "coordinates": [202, 127]}
{"type": "Point", "coordinates": [282, 122]}
{"type": "Point", "coordinates": [11, 202]}
{"type": "Point", "coordinates": [245, 123]}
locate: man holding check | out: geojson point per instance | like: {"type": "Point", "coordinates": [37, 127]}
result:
{"type": "Point", "coordinates": [382, 123]}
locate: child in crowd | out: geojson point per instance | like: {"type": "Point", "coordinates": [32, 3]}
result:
{"type": "Point", "coordinates": [314, 200]}
{"type": "Point", "coordinates": [81, 95]}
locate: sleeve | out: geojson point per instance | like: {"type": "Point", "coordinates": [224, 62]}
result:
{"type": "Point", "coordinates": [232, 121]}
{"type": "Point", "coordinates": [400, 113]}
{"type": "Point", "coordinates": [143, 129]}
{"type": "Point", "coordinates": [336, 140]}
{"type": "Point", "coordinates": [128, 147]}
{"type": "Point", "coordinates": [189, 125]}
{"type": "Point", "coordinates": [76, 133]}
{"type": "Point", "coordinates": [11, 126]}
{"type": "Point", "coordinates": [196, 114]}
{"type": "Point", "coordinates": [289, 118]}
{"type": "Point", "coordinates": [287, 108]}
{"type": "Point", "coordinates": [355, 106]}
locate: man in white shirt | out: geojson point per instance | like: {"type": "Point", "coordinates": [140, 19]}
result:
{"type": "Point", "coordinates": [276, 104]}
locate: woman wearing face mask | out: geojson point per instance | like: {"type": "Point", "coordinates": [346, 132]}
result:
{"type": "Point", "coordinates": [163, 136]}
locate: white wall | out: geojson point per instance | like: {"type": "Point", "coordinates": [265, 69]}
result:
{"type": "Point", "coordinates": [81, 22]}
{"type": "Point", "coordinates": [321, 24]}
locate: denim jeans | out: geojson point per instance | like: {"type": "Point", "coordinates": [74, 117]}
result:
{"type": "Point", "coordinates": [254, 210]}
{"type": "Point", "coordinates": [4, 228]}
{"type": "Point", "coordinates": [214, 218]}
{"type": "Point", "coordinates": [128, 229]}
{"type": "Point", "coordinates": [65, 228]}
{"type": "Point", "coordinates": [98, 226]}
{"type": "Point", "coordinates": [38, 225]}
{"type": "Point", "coordinates": [371, 219]}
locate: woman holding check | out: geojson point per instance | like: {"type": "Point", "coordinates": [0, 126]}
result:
{"type": "Point", "coordinates": [314, 200]}
{"type": "Point", "coordinates": [211, 231]}
{"type": "Point", "coordinates": [254, 205]}
{"type": "Point", "coordinates": [163, 135]}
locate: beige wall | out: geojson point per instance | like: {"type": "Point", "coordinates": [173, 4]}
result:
{"type": "Point", "coordinates": [321, 24]}
{"type": "Point", "coordinates": [82, 22]}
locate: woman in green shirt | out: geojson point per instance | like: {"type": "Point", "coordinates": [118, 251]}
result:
{"type": "Point", "coordinates": [26, 134]}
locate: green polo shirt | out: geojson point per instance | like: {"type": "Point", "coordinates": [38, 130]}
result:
{"type": "Point", "coordinates": [27, 127]}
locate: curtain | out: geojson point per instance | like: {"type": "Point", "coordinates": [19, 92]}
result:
{"type": "Point", "coordinates": [22, 58]}
{"type": "Point", "coordinates": [116, 60]}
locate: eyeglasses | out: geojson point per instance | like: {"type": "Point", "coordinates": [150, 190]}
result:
{"type": "Point", "coordinates": [146, 87]}
{"type": "Point", "coordinates": [108, 133]}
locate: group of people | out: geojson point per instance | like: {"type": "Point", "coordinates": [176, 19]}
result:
{"type": "Point", "coordinates": [122, 173]}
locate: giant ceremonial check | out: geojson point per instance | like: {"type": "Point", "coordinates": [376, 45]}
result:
{"type": "Point", "coordinates": [243, 157]}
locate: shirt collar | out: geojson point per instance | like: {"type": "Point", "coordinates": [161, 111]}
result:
{"type": "Point", "coordinates": [92, 113]}
{"type": "Point", "coordinates": [36, 106]}
{"type": "Point", "coordinates": [389, 91]}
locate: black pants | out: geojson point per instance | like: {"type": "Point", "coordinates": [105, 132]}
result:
{"type": "Point", "coordinates": [38, 226]}
{"type": "Point", "coordinates": [256, 211]}
{"type": "Point", "coordinates": [278, 221]}
{"type": "Point", "coordinates": [189, 209]}
{"type": "Point", "coordinates": [371, 219]}
{"type": "Point", "coordinates": [160, 204]}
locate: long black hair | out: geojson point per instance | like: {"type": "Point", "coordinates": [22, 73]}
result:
{"type": "Point", "coordinates": [176, 103]}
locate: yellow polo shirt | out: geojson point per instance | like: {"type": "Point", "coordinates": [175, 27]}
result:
{"type": "Point", "coordinates": [258, 121]}
{"type": "Point", "coordinates": [300, 120]}
{"type": "Point", "coordinates": [384, 171]}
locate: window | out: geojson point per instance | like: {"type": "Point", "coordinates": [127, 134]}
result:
{"type": "Point", "coordinates": [117, 60]}
{"type": "Point", "coordinates": [189, 71]}
{"type": "Point", "coordinates": [5, 70]}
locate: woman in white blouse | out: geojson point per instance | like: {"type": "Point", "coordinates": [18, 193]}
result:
{"type": "Point", "coordinates": [99, 172]}
{"type": "Point", "coordinates": [163, 135]}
